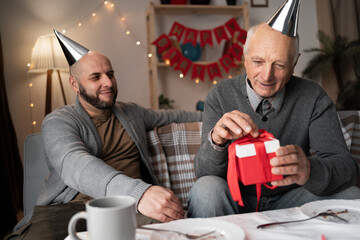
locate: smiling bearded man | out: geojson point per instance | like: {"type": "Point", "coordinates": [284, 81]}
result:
{"type": "Point", "coordinates": [97, 146]}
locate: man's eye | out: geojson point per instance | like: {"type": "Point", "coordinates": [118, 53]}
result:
{"type": "Point", "coordinates": [110, 75]}
{"type": "Point", "coordinates": [257, 62]}
{"type": "Point", "coordinates": [280, 66]}
{"type": "Point", "coordinates": [95, 77]}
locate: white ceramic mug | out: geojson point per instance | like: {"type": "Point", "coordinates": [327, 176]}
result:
{"type": "Point", "coordinates": [110, 218]}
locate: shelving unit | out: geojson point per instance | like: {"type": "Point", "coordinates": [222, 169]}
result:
{"type": "Point", "coordinates": [153, 10]}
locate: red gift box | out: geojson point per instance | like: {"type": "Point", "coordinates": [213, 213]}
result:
{"type": "Point", "coordinates": [249, 163]}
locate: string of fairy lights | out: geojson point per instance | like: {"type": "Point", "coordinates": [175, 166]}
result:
{"type": "Point", "coordinates": [110, 5]}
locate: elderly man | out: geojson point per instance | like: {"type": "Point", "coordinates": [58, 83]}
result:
{"type": "Point", "coordinates": [296, 111]}
{"type": "Point", "coordinates": [97, 147]}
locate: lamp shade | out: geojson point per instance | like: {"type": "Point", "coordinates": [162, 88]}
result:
{"type": "Point", "coordinates": [47, 54]}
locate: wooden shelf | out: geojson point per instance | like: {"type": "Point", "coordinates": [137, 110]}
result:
{"type": "Point", "coordinates": [164, 65]}
{"type": "Point", "coordinates": [188, 9]}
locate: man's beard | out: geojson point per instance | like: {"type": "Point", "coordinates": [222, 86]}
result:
{"type": "Point", "coordinates": [95, 101]}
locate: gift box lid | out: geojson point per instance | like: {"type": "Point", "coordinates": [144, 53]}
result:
{"type": "Point", "coordinates": [248, 150]}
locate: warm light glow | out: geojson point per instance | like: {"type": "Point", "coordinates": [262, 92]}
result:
{"type": "Point", "coordinates": [123, 19]}
{"type": "Point", "coordinates": [112, 5]}
{"type": "Point", "coordinates": [47, 54]}
{"type": "Point", "coordinates": [31, 105]}
{"type": "Point", "coordinates": [214, 82]}
{"type": "Point", "coordinates": [127, 32]}
{"type": "Point", "coordinates": [79, 24]}
{"type": "Point", "coordinates": [28, 64]}
{"type": "Point", "coordinates": [63, 31]}
{"type": "Point", "coordinates": [149, 55]}
{"type": "Point", "coordinates": [167, 62]}
{"type": "Point", "coordinates": [93, 14]}
{"type": "Point", "coordinates": [181, 75]}
{"type": "Point", "coordinates": [105, 2]}
{"type": "Point", "coordinates": [197, 80]}
{"type": "Point", "coordinates": [138, 43]}
{"type": "Point", "coordinates": [34, 123]}
{"type": "Point", "coordinates": [230, 76]}
{"type": "Point", "coordinates": [30, 84]}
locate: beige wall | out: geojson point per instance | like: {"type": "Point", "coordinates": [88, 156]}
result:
{"type": "Point", "coordinates": [22, 21]}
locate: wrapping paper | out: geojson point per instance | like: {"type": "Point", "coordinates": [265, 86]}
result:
{"type": "Point", "coordinates": [249, 163]}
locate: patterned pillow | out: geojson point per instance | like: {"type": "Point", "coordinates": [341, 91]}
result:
{"type": "Point", "coordinates": [173, 148]}
{"type": "Point", "coordinates": [350, 125]}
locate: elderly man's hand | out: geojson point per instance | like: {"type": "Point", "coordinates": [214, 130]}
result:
{"type": "Point", "coordinates": [161, 204]}
{"type": "Point", "coordinates": [233, 125]}
{"type": "Point", "coordinates": [291, 162]}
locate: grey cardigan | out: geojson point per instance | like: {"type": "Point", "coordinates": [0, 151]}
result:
{"type": "Point", "coordinates": [307, 118]}
{"type": "Point", "coordinates": [73, 152]}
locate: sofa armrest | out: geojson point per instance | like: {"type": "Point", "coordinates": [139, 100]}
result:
{"type": "Point", "coordinates": [173, 148]}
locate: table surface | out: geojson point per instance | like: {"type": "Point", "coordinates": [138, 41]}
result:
{"type": "Point", "coordinates": [312, 229]}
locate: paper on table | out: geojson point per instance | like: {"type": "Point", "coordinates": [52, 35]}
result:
{"type": "Point", "coordinates": [309, 230]}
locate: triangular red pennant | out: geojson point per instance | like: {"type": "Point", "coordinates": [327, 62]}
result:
{"type": "Point", "coordinates": [220, 34]}
{"type": "Point", "coordinates": [242, 36]}
{"type": "Point", "coordinates": [232, 26]}
{"type": "Point", "coordinates": [163, 42]}
{"type": "Point", "coordinates": [177, 30]}
{"type": "Point", "coordinates": [183, 65]}
{"type": "Point", "coordinates": [213, 70]}
{"type": "Point", "coordinates": [236, 51]}
{"type": "Point", "coordinates": [205, 38]}
{"type": "Point", "coordinates": [227, 62]}
{"type": "Point", "coordinates": [173, 55]}
{"type": "Point", "coordinates": [191, 36]}
{"type": "Point", "coordinates": [198, 71]}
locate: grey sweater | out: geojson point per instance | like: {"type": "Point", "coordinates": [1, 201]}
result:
{"type": "Point", "coordinates": [307, 118]}
{"type": "Point", "coordinates": [73, 152]}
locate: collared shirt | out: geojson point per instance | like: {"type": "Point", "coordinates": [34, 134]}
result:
{"type": "Point", "coordinates": [255, 100]}
{"type": "Point", "coordinates": [276, 101]}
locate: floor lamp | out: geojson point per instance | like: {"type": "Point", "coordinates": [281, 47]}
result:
{"type": "Point", "coordinates": [47, 56]}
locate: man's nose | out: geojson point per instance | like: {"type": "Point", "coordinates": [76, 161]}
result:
{"type": "Point", "coordinates": [267, 72]}
{"type": "Point", "coordinates": [106, 80]}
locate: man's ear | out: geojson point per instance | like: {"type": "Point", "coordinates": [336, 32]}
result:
{"type": "Point", "coordinates": [74, 84]}
{"type": "Point", "coordinates": [297, 59]}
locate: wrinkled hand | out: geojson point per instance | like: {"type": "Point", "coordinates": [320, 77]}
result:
{"type": "Point", "coordinates": [291, 162]}
{"type": "Point", "coordinates": [161, 204]}
{"type": "Point", "coordinates": [233, 125]}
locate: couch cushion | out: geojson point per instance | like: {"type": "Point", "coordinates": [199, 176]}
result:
{"type": "Point", "coordinates": [179, 142]}
{"type": "Point", "coordinates": [350, 125]}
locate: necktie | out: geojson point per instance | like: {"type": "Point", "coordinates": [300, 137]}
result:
{"type": "Point", "coordinates": [265, 107]}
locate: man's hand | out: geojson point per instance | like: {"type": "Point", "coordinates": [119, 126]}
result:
{"type": "Point", "coordinates": [292, 162]}
{"type": "Point", "coordinates": [161, 204]}
{"type": "Point", "coordinates": [233, 125]}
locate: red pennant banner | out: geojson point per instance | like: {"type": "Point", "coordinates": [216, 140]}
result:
{"type": "Point", "coordinates": [183, 65]}
{"type": "Point", "coordinates": [236, 51]}
{"type": "Point", "coordinates": [213, 70]}
{"type": "Point", "coordinates": [191, 36]}
{"type": "Point", "coordinates": [163, 42]}
{"type": "Point", "coordinates": [205, 38]}
{"type": "Point", "coordinates": [242, 36]}
{"type": "Point", "coordinates": [176, 58]}
{"type": "Point", "coordinates": [177, 30]}
{"type": "Point", "coordinates": [227, 62]}
{"type": "Point", "coordinates": [220, 34]}
{"type": "Point", "coordinates": [198, 71]}
{"type": "Point", "coordinates": [173, 55]}
{"type": "Point", "coordinates": [232, 26]}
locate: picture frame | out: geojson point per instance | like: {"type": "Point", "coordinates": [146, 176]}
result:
{"type": "Point", "coordinates": [259, 3]}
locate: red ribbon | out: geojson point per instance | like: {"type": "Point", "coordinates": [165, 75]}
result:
{"type": "Point", "coordinates": [233, 174]}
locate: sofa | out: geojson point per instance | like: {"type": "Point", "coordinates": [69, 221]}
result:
{"type": "Point", "coordinates": [173, 148]}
